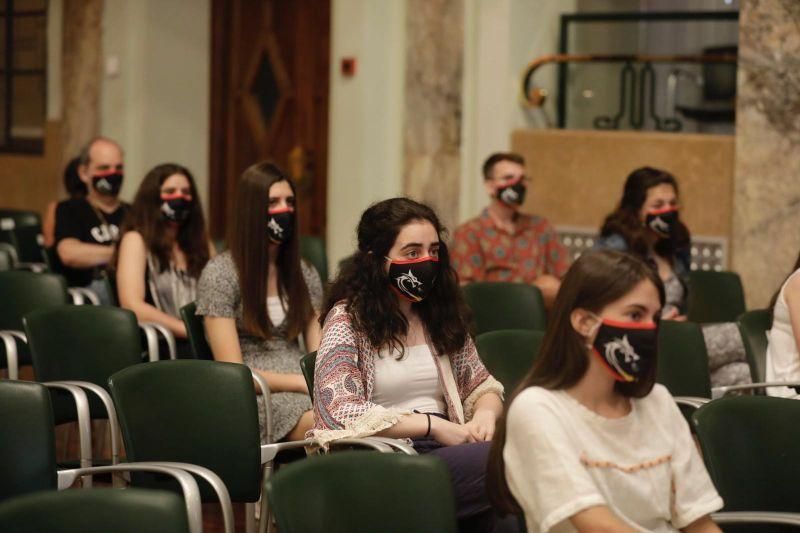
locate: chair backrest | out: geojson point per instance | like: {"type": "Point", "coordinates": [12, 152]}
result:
{"type": "Point", "coordinates": [95, 511]}
{"type": "Point", "coordinates": [502, 305]}
{"type": "Point", "coordinates": [509, 353]}
{"type": "Point", "coordinates": [749, 445]}
{"type": "Point", "coordinates": [199, 412]}
{"type": "Point", "coordinates": [715, 296]}
{"type": "Point", "coordinates": [312, 249]}
{"type": "Point", "coordinates": [27, 442]}
{"type": "Point", "coordinates": [23, 292]}
{"type": "Point", "coordinates": [81, 342]}
{"type": "Point", "coordinates": [395, 493]}
{"type": "Point", "coordinates": [196, 332]}
{"type": "Point", "coordinates": [754, 325]}
{"type": "Point", "coordinates": [683, 359]}
{"type": "Point", "coordinates": [307, 363]}
{"type": "Point", "coordinates": [10, 218]}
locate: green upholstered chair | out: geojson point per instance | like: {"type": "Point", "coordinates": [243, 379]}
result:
{"type": "Point", "coordinates": [501, 305]}
{"type": "Point", "coordinates": [312, 249]}
{"type": "Point", "coordinates": [307, 363]}
{"type": "Point", "coordinates": [749, 444]}
{"type": "Point", "coordinates": [83, 345]}
{"type": "Point", "coordinates": [95, 511]}
{"type": "Point", "coordinates": [20, 293]}
{"type": "Point", "coordinates": [28, 455]}
{"type": "Point", "coordinates": [23, 231]}
{"type": "Point", "coordinates": [715, 296]}
{"type": "Point", "coordinates": [196, 332]}
{"type": "Point", "coordinates": [395, 493]}
{"type": "Point", "coordinates": [509, 353]}
{"type": "Point", "coordinates": [683, 359]}
{"type": "Point", "coordinates": [754, 325]}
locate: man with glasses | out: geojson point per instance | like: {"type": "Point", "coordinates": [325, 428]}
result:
{"type": "Point", "coordinates": [503, 244]}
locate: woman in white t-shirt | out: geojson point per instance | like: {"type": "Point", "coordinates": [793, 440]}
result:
{"type": "Point", "coordinates": [783, 357]}
{"type": "Point", "coordinates": [589, 442]}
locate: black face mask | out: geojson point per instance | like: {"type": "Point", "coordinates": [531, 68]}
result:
{"type": "Point", "coordinates": [662, 221]}
{"type": "Point", "coordinates": [280, 224]}
{"type": "Point", "coordinates": [414, 279]}
{"type": "Point", "coordinates": [176, 208]}
{"type": "Point", "coordinates": [628, 349]}
{"type": "Point", "coordinates": [512, 194]}
{"type": "Point", "coordinates": [108, 184]}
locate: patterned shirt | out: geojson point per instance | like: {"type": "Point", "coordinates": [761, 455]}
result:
{"type": "Point", "coordinates": [485, 252]}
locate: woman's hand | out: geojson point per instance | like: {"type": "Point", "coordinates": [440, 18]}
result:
{"type": "Point", "coordinates": [449, 434]}
{"type": "Point", "coordinates": [481, 427]}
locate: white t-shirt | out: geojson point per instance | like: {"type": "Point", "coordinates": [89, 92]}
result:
{"type": "Point", "coordinates": [783, 360]}
{"type": "Point", "coordinates": [275, 310]}
{"type": "Point", "coordinates": [562, 458]}
{"type": "Point", "coordinates": [410, 383]}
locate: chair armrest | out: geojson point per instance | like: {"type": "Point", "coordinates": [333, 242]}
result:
{"type": "Point", "coordinates": [398, 445]}
{"type": "Point", "coordinates": [191, 492]}
{"type": "Point", "coordinates": [111, 412]}
{"type": "Point", "coordinates": [167, 334]}
{"type": "Point", "coordinates": [80, 295]}
{"type": "Point", "coordinates": [749, 386]}
{"type": "Point", "coordinates": [270, 451]}
{"type": "Point", "coordinates": [84, 423]}
{"type": "Point", "coordinates": [12, 359]}
{"type": "Point", "coordinates": [212, 479]}
{"type": "Point", "coordinates": [36, 268]}
{"type": "Point", "coordinates": [691, 401]}
{"type": "Point", "coordinates": [12, 253]}
{"type": "Point", "coordinates": [266, 398]}
{"type": "Point", "coordinates": [151, 337]}
{"type": "Point", "coordinates": [756, 517]}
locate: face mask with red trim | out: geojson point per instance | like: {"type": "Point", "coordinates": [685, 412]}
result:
{"type": "Point", "coordinates": [627, 349]}
{"type": "Point", "coordinates": [512, 194]}
{"type": "Point", "coordinates": [176, 207]}
{"type": "Point", "coordinates": [108, 183]}
{"type": "Point", "coordinates": [662, 221]}
{"type": "Point", "coordinates": [280, 224]}
{"type": "Point", "coordinates": [413, 279]}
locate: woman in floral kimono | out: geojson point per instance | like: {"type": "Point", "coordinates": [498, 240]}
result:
{"type": "Point", "coordinates": [396, 358]}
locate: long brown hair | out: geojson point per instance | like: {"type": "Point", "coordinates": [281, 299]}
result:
{"type": "Point", "coordinates": [146, 218]}
{"type": "Point", "coordinates": [363, 283]}
{"type": "Point", "coordinates": [595, 280]}
{"type": "Point", "coordinates": [249, 247]}
{"type": "Point", "coordinates": [625, 219]}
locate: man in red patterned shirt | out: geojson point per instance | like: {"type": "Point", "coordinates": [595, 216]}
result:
{"type": "Point", "coordinates": [503, 244]}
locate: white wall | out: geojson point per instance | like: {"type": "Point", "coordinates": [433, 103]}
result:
{"type": "Point", "coordinates": [365, 159]}
{"type": "Point", "coordinates": [157, 105]}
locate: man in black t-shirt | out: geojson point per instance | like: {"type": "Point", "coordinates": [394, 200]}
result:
{"type": "Point", "coordinates": [87, 229]}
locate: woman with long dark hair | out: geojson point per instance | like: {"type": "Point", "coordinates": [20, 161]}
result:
{"type": "Point", "coordinates": [783, 350]}
{"type": "Point", "coordinates": [259, 297]}
{"type": "Point", "coordinates": [646, 223]}
{"type": "Point", "coordinates": [589, 442]}
{"type": "Point", "coordinates": [163, 250]}
{"type": "Point", "coordinates": [396, 358]}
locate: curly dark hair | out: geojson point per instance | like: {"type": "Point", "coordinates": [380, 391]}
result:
{"type": "Point", "coordinates": [364, 284]}
{"type": "Point", "coordinates": [625, 220]}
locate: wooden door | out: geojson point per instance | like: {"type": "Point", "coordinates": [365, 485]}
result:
{"type": "Point", "coordinates": [269, 100]}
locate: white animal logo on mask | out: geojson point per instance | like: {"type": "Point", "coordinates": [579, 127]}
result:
{"type": "Point", "coordinates": [659, 225]}
{"type": "Point", "coordinates": [407, 282]}
{"type": "Point", "coordinates": [620, 348]}
{"type": "Point", "coordinates": [275, 227]}
{"type": "Point", "coordinates": [509, 195]}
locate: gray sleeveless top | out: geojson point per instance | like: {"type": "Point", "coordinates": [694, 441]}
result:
{"type": "Point", "coordinates": [171, 288]}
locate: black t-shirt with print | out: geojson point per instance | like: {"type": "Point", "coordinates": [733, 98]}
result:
{"type": "Point", "coordinates": [77, 219]}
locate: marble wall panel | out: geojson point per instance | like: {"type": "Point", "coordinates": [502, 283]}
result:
{"type": "Point", "coordinates": [766, 205]}
{"type": "Point", "coordinates": [432, 118]}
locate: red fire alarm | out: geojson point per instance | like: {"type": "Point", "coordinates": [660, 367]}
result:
{"type": "Point", "coordinates": [349, 66]}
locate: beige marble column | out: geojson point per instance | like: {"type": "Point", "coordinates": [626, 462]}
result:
{"type": "Point", "coordinates": [82, 73]}
{"type": "Point", "coordinates": [766, 205]}
{"type": "Point", "coordinates": [432, 121]}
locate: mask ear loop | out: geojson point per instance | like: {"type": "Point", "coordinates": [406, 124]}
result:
{"type": "Point", "coordinates": [593, 330]}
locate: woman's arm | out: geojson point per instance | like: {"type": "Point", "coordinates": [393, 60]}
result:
{"type": "Point", "coordinates": [702, 525]}
{"type": "Point", "coordinates": [599, 519]}
{"type": "Point", "coordinates": [49, 225]}
{"type": "Point", "coordinates": [131, 274]}
{"type": "Point", "coordinates": [487, 410]}
{"type": "Point", "coordinates": [792, 295]}
{"type": "Point", "coordinates": [312, 334]}
{"type": "Point", "coordinates": [224, 341]}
